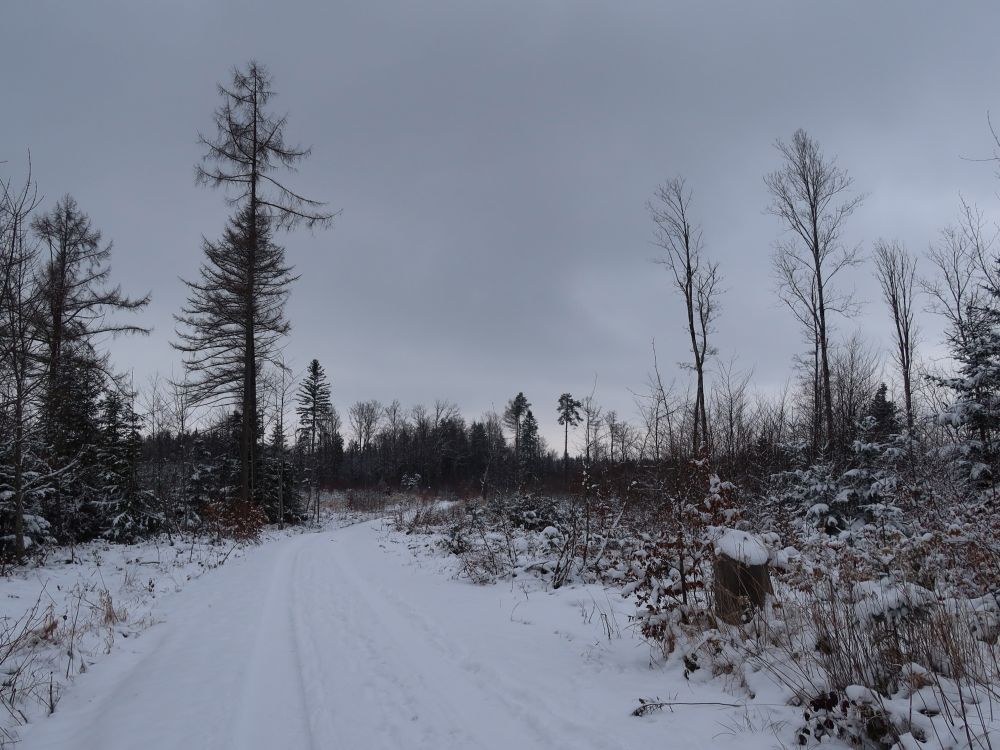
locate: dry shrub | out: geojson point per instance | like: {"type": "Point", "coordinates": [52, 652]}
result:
{"type": "Point", "coordinates": [367, 500]}
{"type": "Point", "coordinates": [22, 678]}
{"type": "Point", "coordinates": [237, 520]}
{"type": "Point", "coordinates": [670, 568]}
{"type": "Point", "coordinates": [105, 610]}
{"type": "Point", "coordinates": [46, 630]}
{"type": "Point", "coordinates": [487, 547]}
{"type": "Point", "coordinates": [420, 516]}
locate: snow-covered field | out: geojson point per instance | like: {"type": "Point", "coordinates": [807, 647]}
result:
{"type": "Point", "coordinates": [357, 636]}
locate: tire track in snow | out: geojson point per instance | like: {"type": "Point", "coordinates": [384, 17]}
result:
{"type": "Point", "coordinates": [271, 711]}
{"type": "Point", "coordinates": [315, 643]}
{"type": "Point", "coordinates": [398, 708]}
{"type": "Point", "coordinates": [462, 687]}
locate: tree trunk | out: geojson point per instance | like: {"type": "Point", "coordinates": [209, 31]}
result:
{"type": "Point", "coordinates": [817, 431]}
{"type": "Point", "coordinates": [821, 330]}
{"type": "Point", "coordinates": [566, 454]}
{"type": "Point", "coordinates": [248, 426]}
{"type": "Point", "coordinates": [700, 406]}
{"type": "Point", "coordinates": [906, 365]}
{"type": "Point", "coordinates": [19, 469]}
{"type": "Point", "coordinates": [699, 393]}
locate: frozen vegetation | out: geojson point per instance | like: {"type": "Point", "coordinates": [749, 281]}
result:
{"type": "Point", "coordinates": [406, 621]}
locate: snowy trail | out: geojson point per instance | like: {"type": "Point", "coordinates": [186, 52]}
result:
{"type": "Point", "coordinates": [340, 640]}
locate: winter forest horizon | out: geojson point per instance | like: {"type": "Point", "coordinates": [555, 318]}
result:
{"type": "Point", "coordinates": [692, 332]}
{"type": "Point", "coordinates": [64, 301]}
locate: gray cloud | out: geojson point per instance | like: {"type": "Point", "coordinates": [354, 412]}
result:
{"type": "Point", "coordinates": [492, 162]}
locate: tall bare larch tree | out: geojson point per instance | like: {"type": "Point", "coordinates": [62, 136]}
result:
{"type": "Point", "coordinates": [245, 279]}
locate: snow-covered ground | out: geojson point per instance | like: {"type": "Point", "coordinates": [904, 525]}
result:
{"type": "Point", "coordinates": [63, 613]}
{"type": "Point", "coordinates": [360, 637]}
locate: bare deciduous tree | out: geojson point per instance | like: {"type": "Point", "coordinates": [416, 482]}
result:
{"type": "Point", "coordinates": [809, 193]}
{"type": "Point", "coordinates": [696, 278]}
{"type": "Point", "coordinates": [730, 401]}
{"type": "Point", "coordinates": [395, 427]}
{"type": "Point", "coordinates": [364, 418]}
{"type": "Point", "coordinates": [592, 423]}
{"type": "Point", "coordinates": [855, 375]}
{"type": "Point", "coordinates": [21, 303]}
{"type": "Point", "coordinates": [897, 272]}
{"type": "Point", "coordinates": [657, 408]}
{"type": "Point", "coordinates": [962, 259]}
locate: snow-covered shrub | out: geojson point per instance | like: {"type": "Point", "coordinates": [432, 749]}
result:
{"type": "Point", "coordinates": [530, 512]}
{"type": "Point", "coordinates": [416, 515]}
{"type": "Point", "coordinates": [133, 516]}
{"type": "Point", "coordinates": [37, 533]}
{"type": "Point", "coordinates": [491, 546]}
{"type": "Point", "coordinates": [877, 661]}
{"type": "Point", "coordinates": [858, 722]}
{"type": "Point", "coordinates": [670, 567]}
{"type": "Point", "coordinates": [559, 539]}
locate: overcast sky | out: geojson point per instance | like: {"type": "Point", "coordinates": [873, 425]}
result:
{"type": "Point", "coordinates": [492, 162]}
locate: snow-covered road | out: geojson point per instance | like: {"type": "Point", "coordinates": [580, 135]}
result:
{"type": "Point", "coordinates": [343, 639]}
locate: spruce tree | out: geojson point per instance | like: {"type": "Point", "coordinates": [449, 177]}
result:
{"type": "Point", "coordinates": [239, 296]}
{"type": "Point", "coordinates": [278, 493]}
{"type": "Point", "coordinates": [531, 449]}
{"type": "Point", "coordinates": [882, 412]}
{"type": "Point", "coordinates": [330, 453]}
{"type": "Point", "coordinates": [479, 450]}
{"type": "Point", "coordinates": [974, 413]}
{"type": "Point", "coordinates": [203, 484]}
{"type": "Point", "coordinates": [78, 307]}
{"type": "Point", "coordinates": [315, 411]}
{"type": "Point", "coordinates": [72, 429]}
{"type": "Point", "coordinates": [128, 510]}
